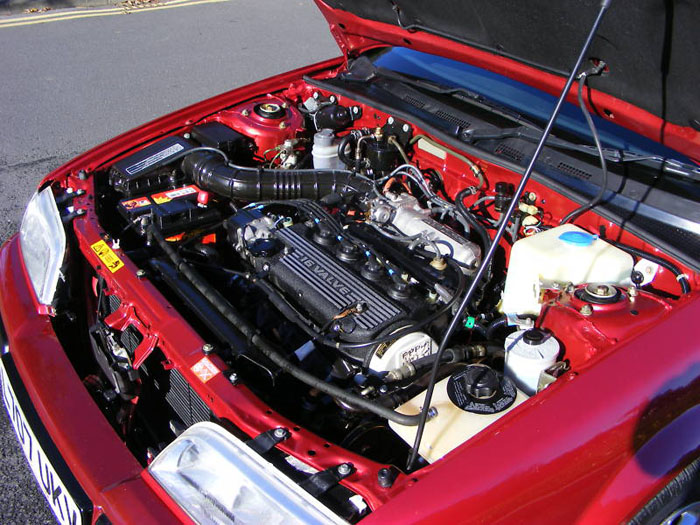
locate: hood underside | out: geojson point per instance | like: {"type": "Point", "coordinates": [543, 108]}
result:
{"type": "Point", "coordinates": [647, 44]}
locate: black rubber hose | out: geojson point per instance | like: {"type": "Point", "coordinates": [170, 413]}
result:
{"type": "Point", "coordinates": [680, 277]}
{"type": "Point", "coordinates": [342, 146]}
{"type": "Point", "coordinates": [251, 333]}
{"type": "Point", "coordinates": [495, 325]}
{"type": "Point", "coordinates": [480, 230]}
{"type": "Point", "coordinates": [211, 173]}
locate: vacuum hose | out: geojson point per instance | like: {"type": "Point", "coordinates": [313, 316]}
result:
{"type": "Point", "coordinates": [211, 173]}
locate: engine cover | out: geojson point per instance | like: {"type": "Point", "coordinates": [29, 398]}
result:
{"type": "Point", "coordinates": [333, 294]}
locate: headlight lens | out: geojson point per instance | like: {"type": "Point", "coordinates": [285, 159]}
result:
{"type": "Point", "coordinates": [217, 479]}
{"type": "Point", "coordinates": [43, 244]}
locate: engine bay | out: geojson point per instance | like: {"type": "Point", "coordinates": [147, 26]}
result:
{"type": "Point", "coordinates": [321, 247]}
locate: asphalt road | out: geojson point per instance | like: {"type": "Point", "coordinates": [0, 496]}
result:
{"type": "Point", "coordinates": [68, 85]}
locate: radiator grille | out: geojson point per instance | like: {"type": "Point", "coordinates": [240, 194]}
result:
{"type": "Point", "coordinates": [130, 338]}
{"type": "Point", "coordinates": [185, 401]}
{"type": "Point", "coordinates": [113, 303]}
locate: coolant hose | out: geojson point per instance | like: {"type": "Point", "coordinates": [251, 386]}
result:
{"type": "Point", "coordinates": [211, 173]}
{"type": "Point", "coordinates": [249, 331]}
{"type": "Point", "coordinates": [342, 146]}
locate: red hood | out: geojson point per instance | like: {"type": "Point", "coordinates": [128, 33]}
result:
{"type": "Point", "coordinates": [654, 72]}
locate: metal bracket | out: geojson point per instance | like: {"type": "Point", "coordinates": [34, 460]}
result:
{"type": "Point", "coordinates": [323, 481]}
{"type": "Point", "coordinates": [266, 441]}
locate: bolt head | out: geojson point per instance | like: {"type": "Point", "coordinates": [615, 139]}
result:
{"type": "Point", "coordinates": [390, 120]}
{"type": "Point", "coordinates": [233, 378]}
{"type": "Point", "coordinates": [245, 112]}
{"type": "Point", "coordinates": [207, 348]}
{"type": "Point", "coordinates": [280, 433]}
{"type": "Point", "coordinates": [344, 469]}
{"type": "Point", "coordinates": [140, 273]}
{"type": "Point", "coordinates": [632, 291]}
{"type": "Point", "coordinates": [355, 110]}
{"type": "Point", "coordinates": [432, 412]}
{"type": "Point", "coordinates": [187, 135]}
{"type": "Point", "coordinates": [586, 310]}
{"type": "Point", "coordinates": [405, 128]}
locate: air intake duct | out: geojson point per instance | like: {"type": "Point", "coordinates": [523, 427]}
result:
{"type": "Point", "coordinates": [211, 173]}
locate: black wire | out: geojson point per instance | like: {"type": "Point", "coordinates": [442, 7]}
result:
{"type": "Point", "coordinates": [680, 277]}
{"type": "Point", "coordinates": [480, 230]}
{"type": "Point", "coordinates": [603, 164]}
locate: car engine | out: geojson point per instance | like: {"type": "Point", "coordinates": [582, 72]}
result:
{"type": "Point", "coordinates": [321, 248]}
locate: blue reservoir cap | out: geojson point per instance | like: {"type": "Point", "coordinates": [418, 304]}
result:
{"type": "Point", "coordinates": [578, 238]}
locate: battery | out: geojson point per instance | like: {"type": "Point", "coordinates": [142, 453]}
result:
{"type": "Point", "coordinates": [146, 170]}
{"type": "Point", "coordinates": [172, 211]}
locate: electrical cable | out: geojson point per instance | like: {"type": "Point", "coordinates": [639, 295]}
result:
{"type": "Point", "coordinates": [486, 261]}
{"type": "Point", "coordinates": [680, 276]}
{"type": "Point", "coordinates": [596, 70]}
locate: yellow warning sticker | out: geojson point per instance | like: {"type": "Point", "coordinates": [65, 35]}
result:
{"type": "Point", "coordinates": [107, 256]}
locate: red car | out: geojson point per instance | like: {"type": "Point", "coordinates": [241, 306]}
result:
{"type": "Point", "coordinates": [451, 277]}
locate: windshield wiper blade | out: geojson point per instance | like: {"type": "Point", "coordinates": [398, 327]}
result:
{"type": "Point", "coordinates": [460, 93]}
{"type": "Point", "coordinates": [619, 156]}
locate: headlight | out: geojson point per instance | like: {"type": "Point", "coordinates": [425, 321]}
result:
{"type": "Point", "coordinates": [217, 479]}
{"type": "Point", "coordinates": [43, 244]}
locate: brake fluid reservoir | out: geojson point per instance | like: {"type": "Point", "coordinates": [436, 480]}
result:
{"type": "Point", "coordinates": [565, 254]}
{"type": "Point", "coordinates": [325, 151]}
{"type": "Point", "coordinates": [465, 403]}
{"type": "Point", "coordinates": [528, 354]}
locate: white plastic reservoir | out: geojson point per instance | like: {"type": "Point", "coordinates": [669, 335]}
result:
{"type": "Point", "coordinates": [452, 425]}
{"type": "Point", "coordinates": [565, 254]}
{"type": "Point", "coordinates": [325, 151]}
{"type": "Point", "coordinates": [527, 354]}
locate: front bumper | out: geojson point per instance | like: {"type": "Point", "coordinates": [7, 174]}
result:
{"type": "Point", "coordinates": [97, 468]}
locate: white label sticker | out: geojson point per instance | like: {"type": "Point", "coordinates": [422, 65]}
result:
{"type": "Point", "coordinates": [150, 161]}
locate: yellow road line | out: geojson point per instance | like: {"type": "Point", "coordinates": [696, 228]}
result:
{"type": "Point", "coordinates": [72, 12]}
{"type": "Point", "coordinates": [73, 15]}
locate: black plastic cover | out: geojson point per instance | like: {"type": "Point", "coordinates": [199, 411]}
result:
{"type": "Point", "coordinates": [228, 140]}
{"type": "Point", "coordinates": [141, 171]}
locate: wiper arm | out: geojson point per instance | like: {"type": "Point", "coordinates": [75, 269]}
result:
{"type": "Point", "coordinates": [363, 70]}
{"type": "Point", "coordinates": [667, 165]}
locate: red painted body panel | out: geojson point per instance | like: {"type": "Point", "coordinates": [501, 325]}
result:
{"type": "Point", "coordinates": [98, 458]}
{"type": "Point", "coordinates": [593, 447]}
{"type": "Point", "coordinates": [559, 461]}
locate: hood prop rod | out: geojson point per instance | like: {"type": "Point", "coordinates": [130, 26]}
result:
{"type": "Point", "coordinates": [486, 261]}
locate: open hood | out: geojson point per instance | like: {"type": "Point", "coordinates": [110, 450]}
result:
{"type": "Point", "coordinates": [649, 46]}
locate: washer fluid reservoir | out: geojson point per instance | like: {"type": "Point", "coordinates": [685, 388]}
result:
{"type": "Point", "coordinates": [464, 404]}
{"type": "Point", "coordinates": [565, 254]}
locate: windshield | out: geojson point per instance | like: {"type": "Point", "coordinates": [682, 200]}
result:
{"type": "Point", "coordinates": [528, 101]}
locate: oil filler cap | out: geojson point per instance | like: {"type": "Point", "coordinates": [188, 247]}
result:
{"type": "Point", "coordinates": [481, 390]}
